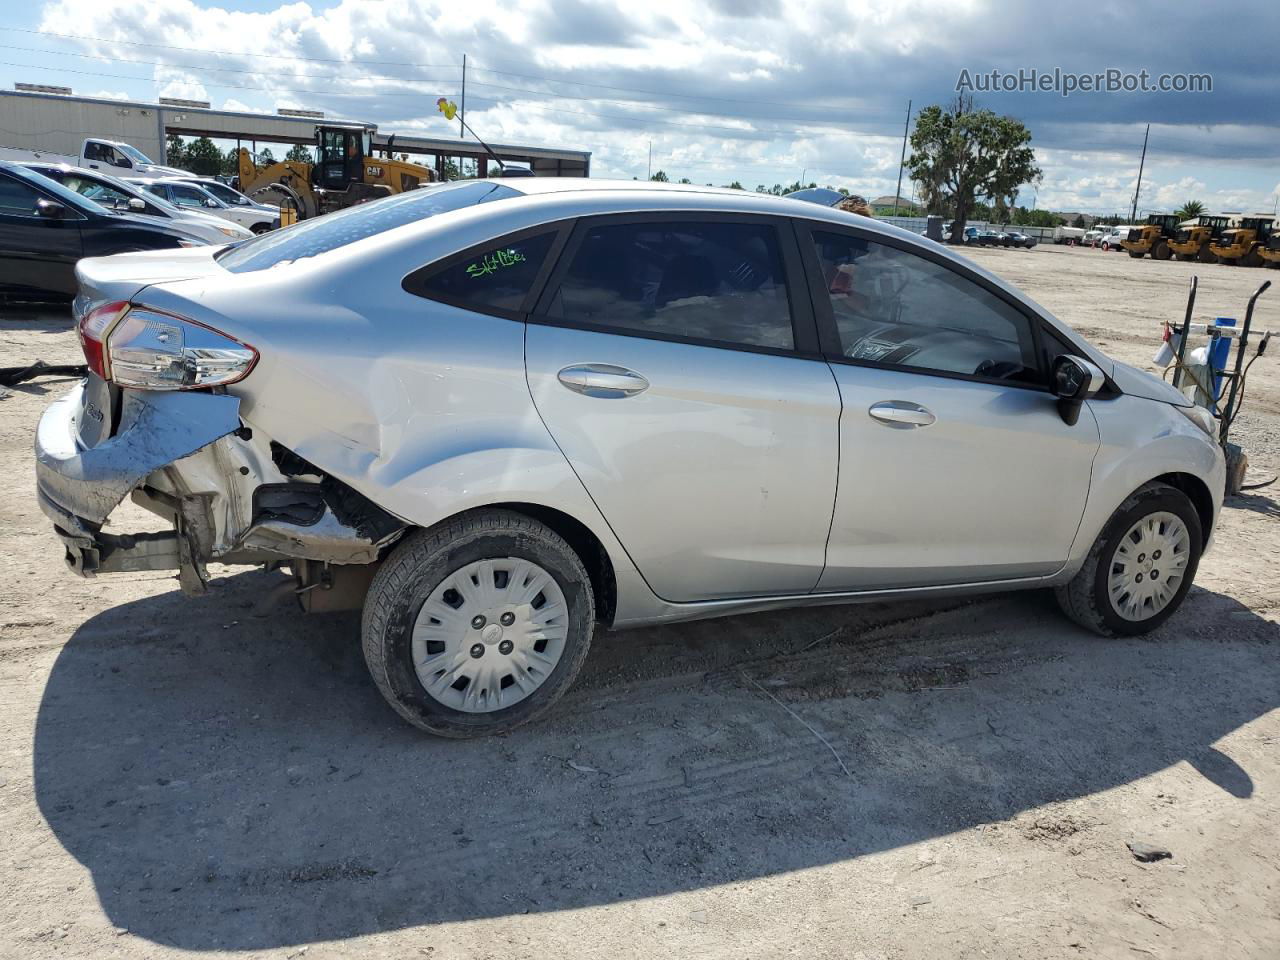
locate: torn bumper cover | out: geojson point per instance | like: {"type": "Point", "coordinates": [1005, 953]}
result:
{"type": "Point", "coordinates": [79, 486]}
{"type": "Point", "coordinates": [184, 456]}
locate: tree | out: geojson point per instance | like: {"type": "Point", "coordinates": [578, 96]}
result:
{"type": "Point", "coordinates": [1190, 210]}
{"type": "Point", "coordinates": [298, 154]}
{"type": "Point", "coordinates": [684, 180]}
{"type": "Point", "coordinates": [231, 163]}
{"type": "Point", "coordinates": [661, 177]}
{"type": "Point", "coordinates": [1035, 218]}
{"type": "Point", "coordinates": [173, 150]}
{"type": "Point", "coordinates": [202, 156]}
{"type": "Point", "coordinates": [736, 185]}
{"type": "Point", "coordinates": [959, 154]}
{"type": "Point", "coordinates": [1079, 221]}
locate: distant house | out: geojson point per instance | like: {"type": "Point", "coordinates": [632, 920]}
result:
{"type": "Point", "coordinates": [884, 207]}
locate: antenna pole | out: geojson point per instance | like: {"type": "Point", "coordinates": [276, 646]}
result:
{"type": "Point", "coordinates": [906, 127]}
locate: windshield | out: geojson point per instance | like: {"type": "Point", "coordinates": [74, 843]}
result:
{"type": "Point", "coordinates": [226, 194]}
{"type": "Point", "coordinates": [55, 189]}
{"type": "Point", "coordinates": [333, 230]}
{"type": "Point", "coordinates": [133, 153]}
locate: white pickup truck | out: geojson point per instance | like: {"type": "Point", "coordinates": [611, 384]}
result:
{"type": "Point", "coordinates": [109, 156]}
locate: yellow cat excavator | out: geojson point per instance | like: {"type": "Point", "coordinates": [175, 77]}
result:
{"type": "Point", "coordinates": [345, 173]}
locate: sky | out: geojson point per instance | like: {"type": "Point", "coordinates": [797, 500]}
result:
{"type": "Point", "coordinates": [758, 91]}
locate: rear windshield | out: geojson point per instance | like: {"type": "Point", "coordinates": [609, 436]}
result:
{"type": "Point", "coordinates": [322, 234]}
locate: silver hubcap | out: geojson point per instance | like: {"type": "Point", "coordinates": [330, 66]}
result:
{"type": "Point", "coordinates": [1148, 566]}
{"type": "Point", "coordinates": [490, 634]}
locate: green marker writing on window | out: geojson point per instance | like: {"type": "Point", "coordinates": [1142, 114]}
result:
{"type": "Point", "coordinates": [493, 262]}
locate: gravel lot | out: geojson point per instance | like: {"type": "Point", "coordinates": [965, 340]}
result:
{"type": "Point", "coordinates": [184, 776]}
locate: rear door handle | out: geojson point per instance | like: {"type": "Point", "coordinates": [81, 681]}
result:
{"type": "Point", "coordinates": [901, 413]}
{"type": "Point", "coordinates": [603, 381]}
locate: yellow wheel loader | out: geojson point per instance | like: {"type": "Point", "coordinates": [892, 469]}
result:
{"type": "Point", "coordinates": [1192, 242]}
{"type": "Point", "coordinates": [1270, 254]}
{"type": "Point", "coordinates": [344, 174]}
{"type": "Point", "coordinates": [1240, 245]}
{"type": "Point", "coordinates": [1153, 238]}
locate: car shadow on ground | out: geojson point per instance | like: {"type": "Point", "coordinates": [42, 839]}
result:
{"type": "Point", "coordinates": [237, 783]}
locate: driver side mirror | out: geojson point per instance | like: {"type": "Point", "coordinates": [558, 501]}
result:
{"type": "Point", "coordinates": [211, 203]}
{"type": "Point", "coordinates": [123, 161]}
{"type": "Point", "coordinates": [1075, 380]}
{"type": "Point", "coordinates": [136, 205]}
{"type": "Point", "coordinates": [50, 210]}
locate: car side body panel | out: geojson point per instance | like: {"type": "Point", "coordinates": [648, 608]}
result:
{"type": "Point", "coordinates": [440, 424]}
{"type": "Point", "coordinates": [1170, 444]}
{"type": "Point", "coordinates": [425, 409]}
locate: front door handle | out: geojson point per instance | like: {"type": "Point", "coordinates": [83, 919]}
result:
{"type": "Point", "coordinates": [603, 381]}
{"type": "Point", "coordinates": [901, 413]}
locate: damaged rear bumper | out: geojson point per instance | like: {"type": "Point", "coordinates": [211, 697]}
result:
{"type": "Point", "coordinates": [186, 456]}
{"type": "Point", "coordinates": [78, 486]}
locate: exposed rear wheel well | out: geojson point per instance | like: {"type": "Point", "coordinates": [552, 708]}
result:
{"type": "Point", "coordinates": [1197, 492]}
{"type": "Point", "coordinates": [588, 548]}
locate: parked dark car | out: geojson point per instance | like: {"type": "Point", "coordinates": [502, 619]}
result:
{"type": "Point", "coordinates": [45, 228]}
{"type": "Point", "coordinates": [1018, 239]}
{"type": "Point", "coordinates": [991, 238]}
{"type": "Point", "coordinates": [115, 194]}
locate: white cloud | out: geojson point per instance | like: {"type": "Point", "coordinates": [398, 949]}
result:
{"type": "Point", "coordinates": [757, 90]}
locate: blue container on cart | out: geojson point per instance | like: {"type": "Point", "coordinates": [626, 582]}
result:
{"type": "Point", "coordinates": [1219, 354]}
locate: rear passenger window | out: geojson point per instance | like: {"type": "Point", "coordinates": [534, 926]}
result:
{"type": "Point", "coordinates": [498, 278]}
{"type": "Point", "coordinates": [704, 281]}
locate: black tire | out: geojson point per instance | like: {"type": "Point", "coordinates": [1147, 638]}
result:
{"type": "Point", "coordinates": [1206, 254]}
{"type": "Point", "coordinates": [1136, 254]}
{"type": "Point", "coordinates": [260, 228]}
{"type": "Point", "coordinates": [1161, 250]}
{"type": "Point", "coordinates": [1085, 599]}
{"type": "Point", "coordinates": [418, 565]}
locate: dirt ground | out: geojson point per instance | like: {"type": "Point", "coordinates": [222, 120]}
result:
{"type": "Point", "coordinates": [882, 781]}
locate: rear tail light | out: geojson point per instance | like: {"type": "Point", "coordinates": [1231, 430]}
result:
{"type": "Point", "coordinates": [144, 348]}
{"type": "Point", "coordinates": [93, 330]}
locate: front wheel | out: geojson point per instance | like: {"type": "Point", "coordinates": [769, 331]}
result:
{"type": "Point", "coordinates": [1140, 567]}
{"type": "Point", "coordinates": [479, 624]}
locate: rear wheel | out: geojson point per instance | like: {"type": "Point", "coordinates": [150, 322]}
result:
{"type": "Point", "coordinates": [478, 625]}
{"type": "Point", "coordinates": [1140, 567]}
{"type": "Point", "coordinates": [1251, 259]}
{"type": "Point", "coordinates": [1136, 254]}
{"type": "Point", "coordinates": [1206, 253]}
{"type": "Point", "coordinates": [1161, 250]}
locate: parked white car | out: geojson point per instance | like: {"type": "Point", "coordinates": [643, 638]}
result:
{"type": "Point", "coordinates": [116, 194]}
{"type": "Point", "coordinates": [191, 196]}
{"type": "Point", "coordinates": [109, 156]}
{"type": "Point", "coordinates": [233, 198]}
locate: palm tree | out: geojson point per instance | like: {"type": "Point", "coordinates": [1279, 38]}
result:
{"type": "Point", "coordinates": [1190, 210]}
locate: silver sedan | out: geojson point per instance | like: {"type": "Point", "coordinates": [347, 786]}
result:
{"type": "Point", "coordinates": [497, 415]}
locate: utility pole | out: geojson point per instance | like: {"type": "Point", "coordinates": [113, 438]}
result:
{"type": "Point", "coordinates": [462, 113]}
{"type": "Point", "coordinates": [649, 175]}
{"type": "Point", "coordinates": [1133, 214]}
{"type": "Point", "coordinates": [903, 161]}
